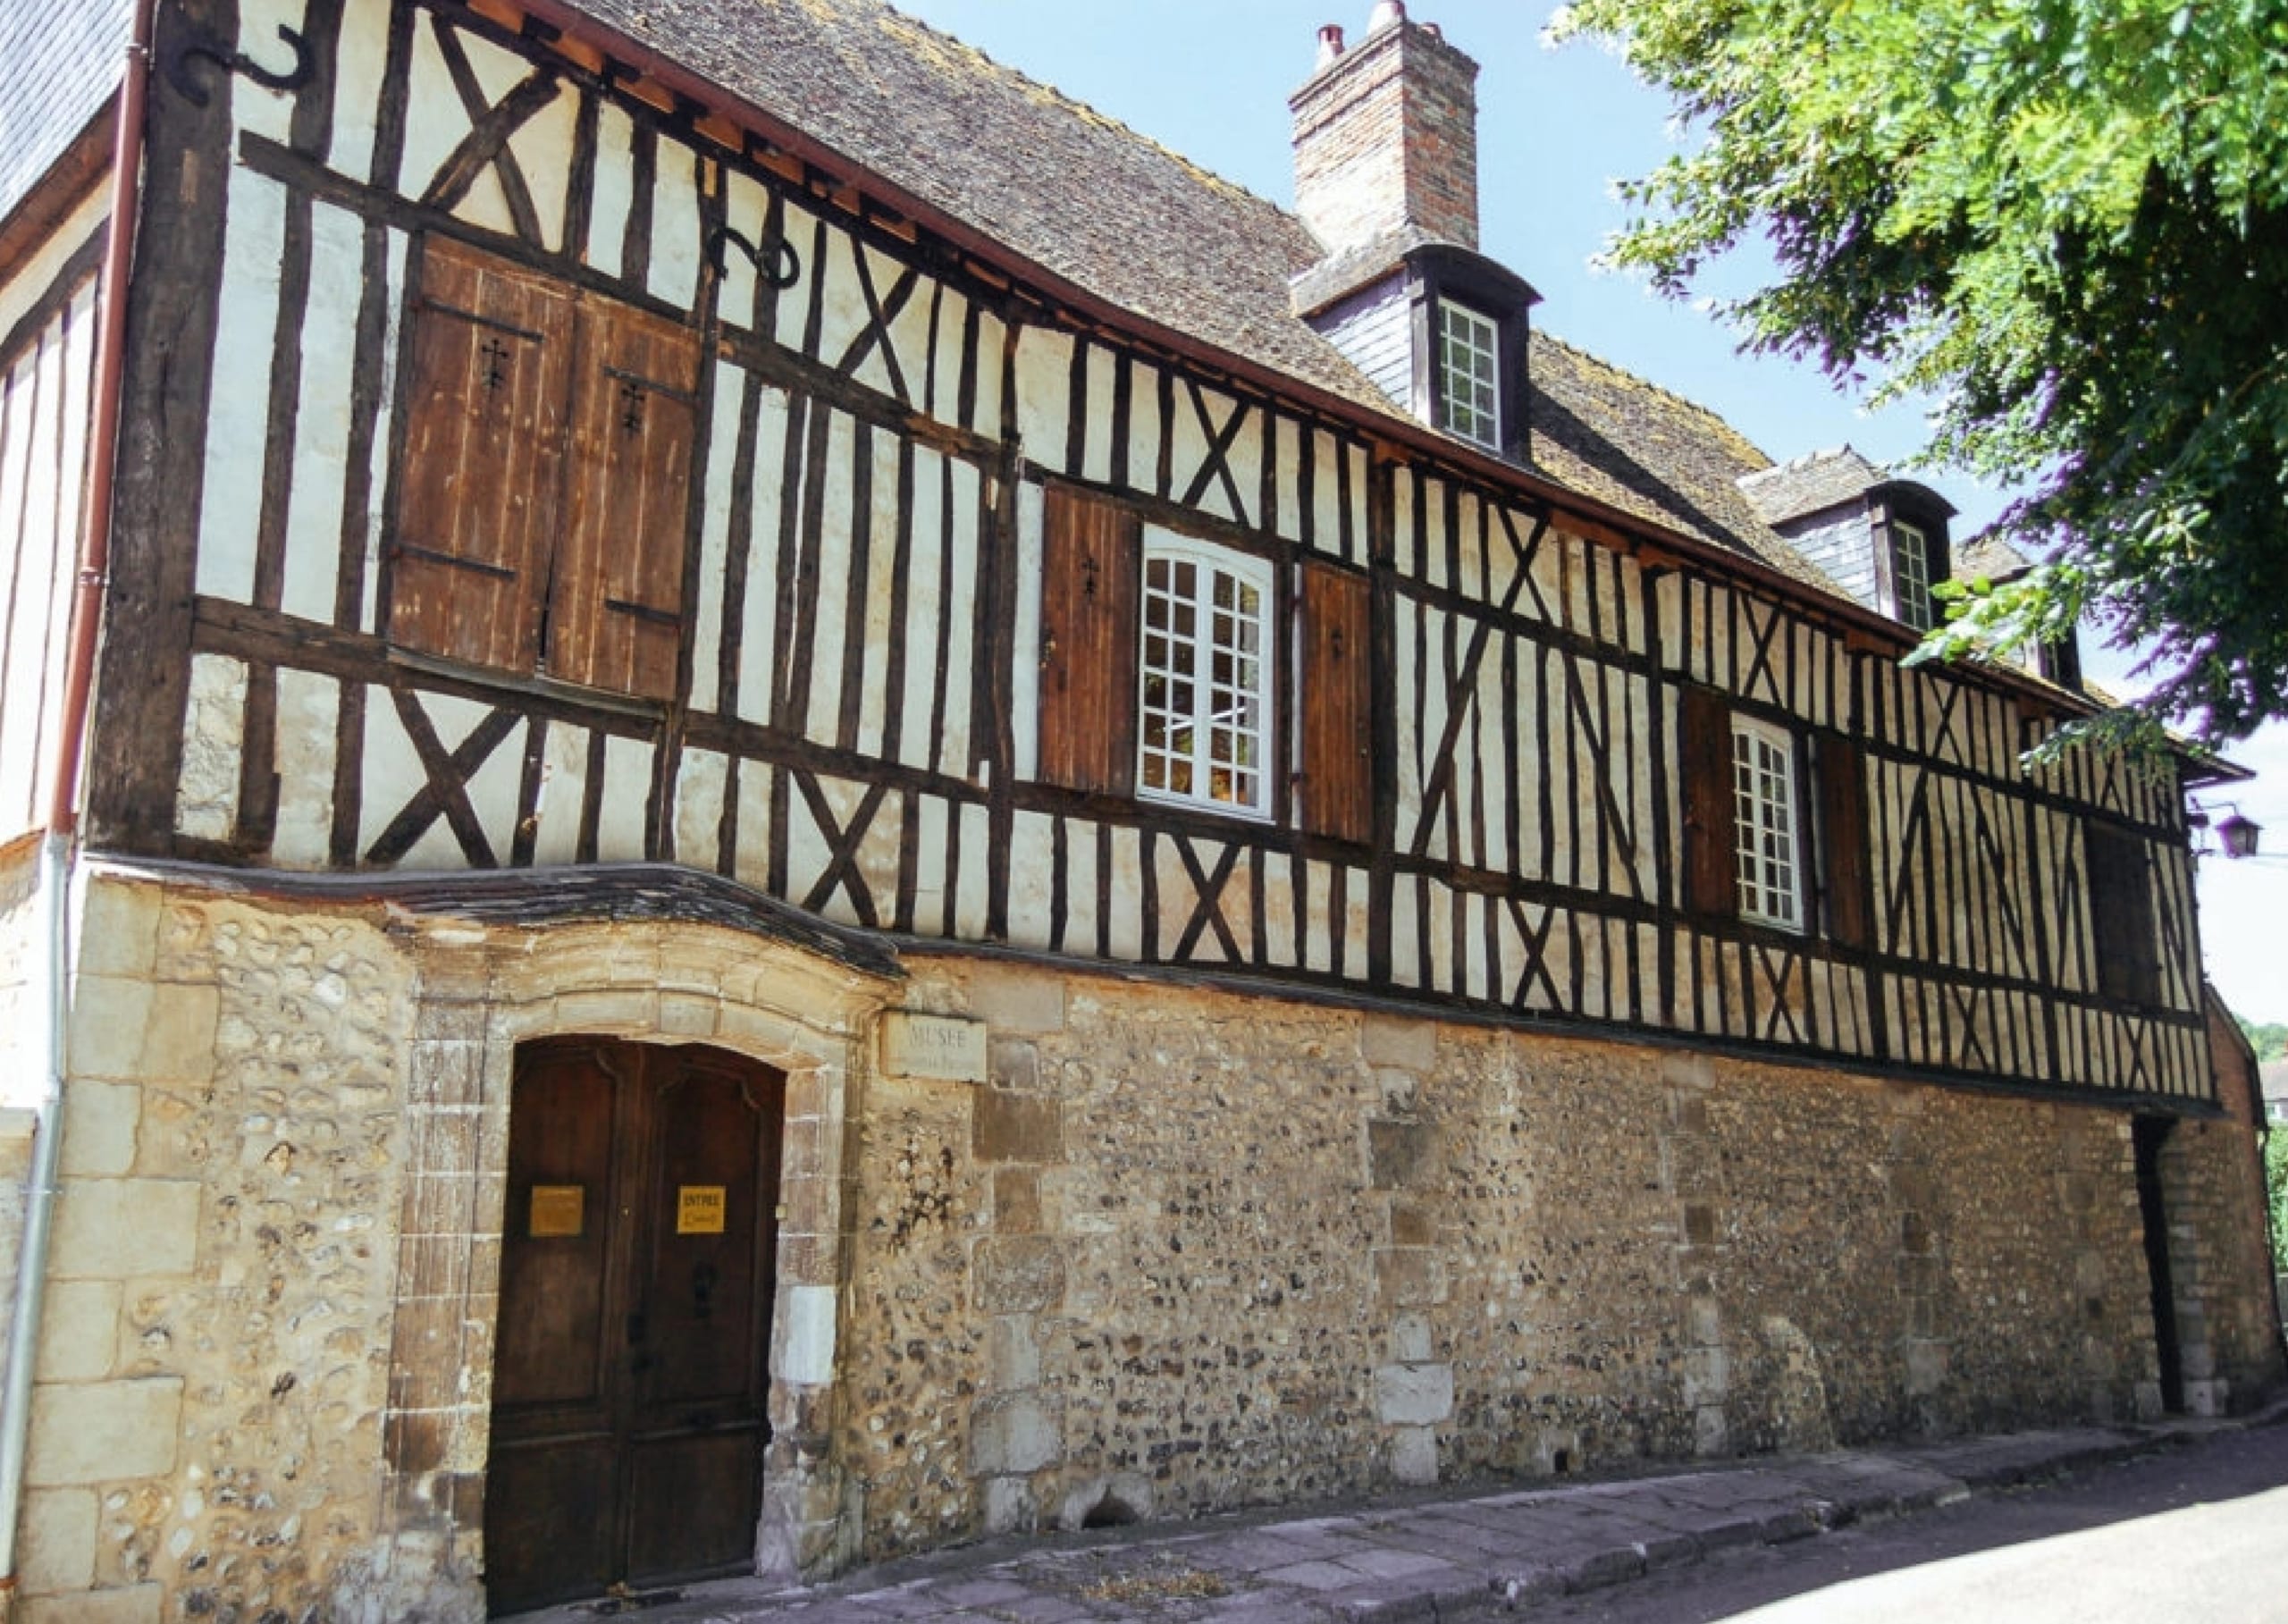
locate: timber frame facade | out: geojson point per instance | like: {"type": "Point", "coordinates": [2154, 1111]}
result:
{"type": "Point", "coordinates": [844, 705]}
{"type": "Point", "coordinates": [609, 550]}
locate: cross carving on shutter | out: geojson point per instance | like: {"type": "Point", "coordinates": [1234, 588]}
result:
{"type": "Point", "coordinates": [1334, 704]}
{"type": "Point", "coordinates": [1090, 557]}
{"type": "Point", "coordinates": [546, 464]}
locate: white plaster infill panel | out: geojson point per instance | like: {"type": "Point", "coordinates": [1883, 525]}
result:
{"type": "Point", "coordinates": [946, 1048]}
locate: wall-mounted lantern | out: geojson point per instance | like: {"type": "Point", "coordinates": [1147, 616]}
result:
{"type": "Point", "coordinates": [2236, 836]}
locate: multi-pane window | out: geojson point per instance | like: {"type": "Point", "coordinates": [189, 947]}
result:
{"type": "Point", "coordinates": [1911, 575]}
{"type": "Point", "coordinates": [1205, 695]}
{"type": "Point", "coordinates": [1763, 825]}
{"type": "Point", "coordinates": [1468, 374]}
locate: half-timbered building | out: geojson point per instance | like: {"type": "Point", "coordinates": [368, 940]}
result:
{"type": "Point", "coordinates": [824, 808]}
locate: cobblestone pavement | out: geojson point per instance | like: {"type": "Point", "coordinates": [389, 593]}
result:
{"type": "Point", "coordinates": [1409, 1557]}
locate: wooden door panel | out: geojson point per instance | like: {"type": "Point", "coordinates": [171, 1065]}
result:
{"type": "Point", "coordinates": [700, 1288]}
{"type": "Point", "coordinates": [560, 1116]}
{"type": "Point", "coordinates": [696, 1498]}
{"type": "Point", "coordinates": [632, 1371]}
{"type": "Point", "coordinates": [548, 1523]}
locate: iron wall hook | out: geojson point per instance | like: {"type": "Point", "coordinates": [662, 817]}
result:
{"type": "Point", "coordinates": [192, 43]}
{"type": "Point", "coordinates": [784, 267]}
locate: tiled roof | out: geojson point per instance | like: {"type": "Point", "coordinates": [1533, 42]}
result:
{"type": "Point", "coordinates": [1609, 434]}
{"type": "Point", "coordinates": [1102, 207]}
{"type": "Point", "coordinates": [1075, 192]}
{"type": "Point", "coordinates": [1812, 483]}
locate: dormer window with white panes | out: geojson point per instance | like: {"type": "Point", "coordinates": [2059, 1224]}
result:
{"type": "Point", "coordinates": [1470, 389]}
{"type": "Point", "coordinates": [1911, 575]}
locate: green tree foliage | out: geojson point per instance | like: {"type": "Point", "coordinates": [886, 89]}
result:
{"type": "Point", "coordinates": [2276, 1194]}
{"type": "Point", "coordinates": [2270, 1041]}
{"type": "Point", "coordinates": [2067, 221]}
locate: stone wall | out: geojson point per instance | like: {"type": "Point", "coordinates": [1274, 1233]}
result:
{"type": "Point", "coordinates": [265, 1367]}
{"type": "Point", "coordinates": [1188, 1250]}
{"type": "Point", "coordinates": [213, 1355]}
{"type": "Point", "coordinates": [1154, 1250]}
{"type": "Point", "coordinates": [2220, 1236]}
{"type": "Point", "coordinates": [2220, 1266]}
{"type": "Point", "coordinates": [22, 1010]}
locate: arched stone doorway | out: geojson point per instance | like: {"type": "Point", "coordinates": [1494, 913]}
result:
{"type": "Point", "coordinates": [630, 1370]}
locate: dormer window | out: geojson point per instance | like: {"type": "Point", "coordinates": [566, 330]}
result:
{"type": "Point", "coordinates": [1911, 575]}
{"type": "Point", "coordinates": [1470, 392]}
{"type": "Point", "coordinates": [1443, 331]}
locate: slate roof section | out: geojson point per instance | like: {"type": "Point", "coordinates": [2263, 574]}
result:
{"type": "Point", "coordinates": [63, 58]}
{"type": "Point", "coordinates": [1812, 483]}
{"type": "Point", "coordinates": [1988, 556]}
{"type": "Point", "coordinates": [606, 892]}
{"type": "Point", "coordinates": [1086, 199]}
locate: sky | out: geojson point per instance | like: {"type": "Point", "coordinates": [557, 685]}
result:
{"type": "Point", "coordinates": [1557, 128]}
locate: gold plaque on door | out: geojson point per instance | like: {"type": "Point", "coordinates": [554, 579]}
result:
{"type": "Point", "coordinates": [699, 1209]}
{"type": "Point", "coordinates": [558, 1210]}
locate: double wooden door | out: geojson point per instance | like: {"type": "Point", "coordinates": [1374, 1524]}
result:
{"type": "Point", "coordinates": [630, 1372]}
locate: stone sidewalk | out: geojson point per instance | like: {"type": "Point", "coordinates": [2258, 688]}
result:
{"type": "Point", "coordinates": [1411, 1557]}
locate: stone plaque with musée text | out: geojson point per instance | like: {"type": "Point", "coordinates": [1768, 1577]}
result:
{"type": "Point", "coordinates": [943, 1047]}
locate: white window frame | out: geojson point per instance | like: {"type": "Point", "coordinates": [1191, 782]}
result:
{"type": "Point", "coordinates": [1183, 751]}
{"type": "Point", "coordinates": [1469, 374]}
{"type": "Point", "coordinates": [1911, 575]}
{"type": "Point", "coordinates": [1767, 843]}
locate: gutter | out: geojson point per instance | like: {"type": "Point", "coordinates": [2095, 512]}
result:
{"type": "Point", "coordinates": [59, 846]}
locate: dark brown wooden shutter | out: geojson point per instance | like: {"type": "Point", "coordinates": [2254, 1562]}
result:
{"type": "Point", "coordinates": [1712, 883]}
{"type": "Point", "coordinates": [2121, 918]}
{"type": "Point", "coordinates": [616, 603]}
{"type": "Point", "coordinates": [1090, 558]}
{"type": "Point", "coordinates": [482, 469]}
{"type": "Point", "coordinates": [1842, 768]}
{"type": "Point", "coordinates": [1333, 701]}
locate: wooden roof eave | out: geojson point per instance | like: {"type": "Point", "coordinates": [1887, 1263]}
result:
{"type": "Point", "coordinates": [1614, 525]}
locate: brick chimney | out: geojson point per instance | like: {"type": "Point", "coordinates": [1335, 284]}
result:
{"type": "Point", "coordinates": [1386, 137]}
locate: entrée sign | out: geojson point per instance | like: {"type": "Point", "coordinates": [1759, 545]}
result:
{"type": "Point", "coordinates": [699, 1209]}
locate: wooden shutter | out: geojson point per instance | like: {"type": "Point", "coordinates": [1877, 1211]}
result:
{"type": "Point", "coordinates": [1090, 558]}
{"type": "Point", "coordinates": [1712, 883]}
{"type": "Point", "coordinates": [616, 602]}
{"type": "Point", "coordinates": [1332, 699]}
{"type": "Point", "coordinates": [482, 472]}
{"type": "Point", "coordinates": [1842, 768]}
{"type": "Point", "coordinates": [2121, 918]}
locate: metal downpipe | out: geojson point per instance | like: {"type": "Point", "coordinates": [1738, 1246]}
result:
{"type": "Point", "coordinates": [59, 907]}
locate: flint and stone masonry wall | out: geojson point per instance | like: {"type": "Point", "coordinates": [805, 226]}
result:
{"type": "Point", "coordinates": [264, 1382]}
{"type": "Point", "coordinates": [1220, 1251]}
{"type": "Point", "coordinates": [1159, 1251]}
